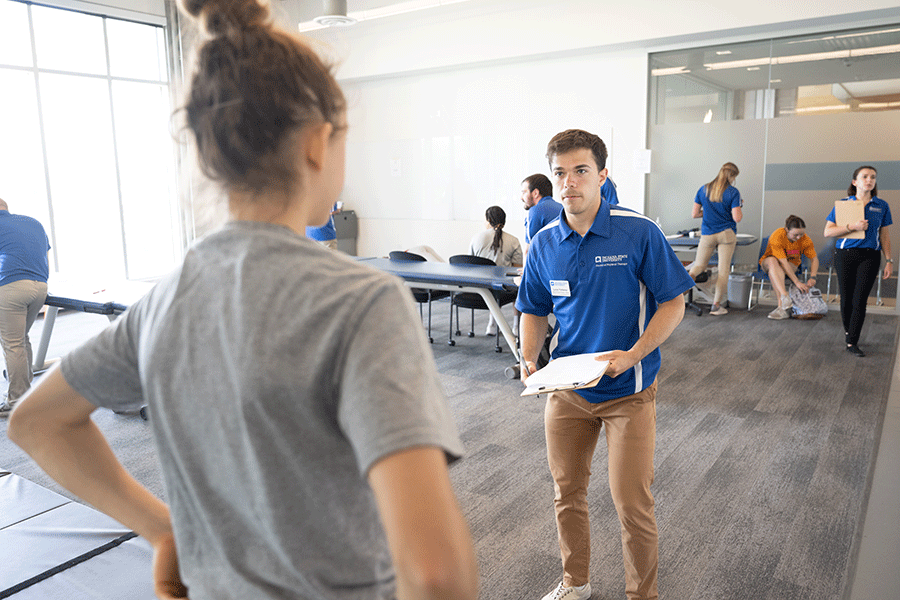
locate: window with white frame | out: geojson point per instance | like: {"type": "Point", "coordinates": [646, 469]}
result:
{"type": "Point", "coordinates": [86, 147]}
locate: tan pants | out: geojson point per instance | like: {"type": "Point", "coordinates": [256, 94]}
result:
{"type": "Point", "coordinates": [20, 303]}
{"type": "Point", "coordinates": [572, 425]}
{"type": "Point", "coordinates": [724, 242]}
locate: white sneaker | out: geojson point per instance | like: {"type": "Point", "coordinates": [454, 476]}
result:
{"type": "Point", "coordinates": [5, 408]}
{"type": "Point", "coordinates": [779, 314]}
{"type": "Point", "coordinates": [786, 302]}
{"type": "Point", "coordinates": [582, 592]}
{"type": "Point", "coordinates": [491, 329]}
{"type": "Point", "coordinates": [718, 310]}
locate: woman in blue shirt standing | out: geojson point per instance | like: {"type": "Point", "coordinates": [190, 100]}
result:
{"type": "Point", "coordinates": [719, 204]}
{"type": "Point", "coordinates": [857, 261]}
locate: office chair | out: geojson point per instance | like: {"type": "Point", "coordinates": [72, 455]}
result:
{"type": "Point", "coordinates": [826, 261]}
{"type": "Point", "coordinates": [758, 275]}
{"type": "Point", "coordinates": [419, 295]}
{"type": "Point", "coordinates": [472, 300]}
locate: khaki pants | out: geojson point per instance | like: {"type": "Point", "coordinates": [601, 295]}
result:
{"type": "Point", "coordinates": [724, 242]}
{"type": "Point", "coordinates": [20, 303]}
{"type": "Point", "coordinates": [572, 426]}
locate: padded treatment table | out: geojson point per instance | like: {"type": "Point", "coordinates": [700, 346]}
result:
{"type": "Point", "coordinates": [478, 279]}
{"type": "Point", "coordinates": [52, 548]}
{"type": "Point", "coordinates": [111, 301]}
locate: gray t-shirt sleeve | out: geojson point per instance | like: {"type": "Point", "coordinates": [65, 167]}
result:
{"type": "Point", "coordinates": [105, 368]}
{"type": "Point", "coordinates": [391, 399]}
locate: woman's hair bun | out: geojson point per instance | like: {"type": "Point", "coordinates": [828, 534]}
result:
{"type": "Point", "coordinates": [219, 17]}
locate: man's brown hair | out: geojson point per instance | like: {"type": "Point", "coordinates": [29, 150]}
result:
{"type": "Point", "coordinates": [575, 139]}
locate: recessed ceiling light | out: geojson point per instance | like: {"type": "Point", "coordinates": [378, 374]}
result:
{"type": "Point", "coordinates": [334, 14]}
{"type": "Point", "coordinates": [392, 10]}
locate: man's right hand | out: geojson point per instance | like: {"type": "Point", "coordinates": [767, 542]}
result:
{"type": "Point", "coordinates": [527, 371]}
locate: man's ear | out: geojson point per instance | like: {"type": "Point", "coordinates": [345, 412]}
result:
{"type": "Point", "coordinates": [316, 145]}
{"type": "Point", "coordinates": [603, 174]}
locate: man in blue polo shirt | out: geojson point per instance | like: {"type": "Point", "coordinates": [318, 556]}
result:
{"type": "Point", "coordinates": [326, 235]}
{"type": "Point", "coordinates": [609, 192]}
{"type": "Point", "coordinates": [615, 286]}
{"type": "Point", "coordinates": [23, 289]}
{"type": "Point", "coordinates": [540, 207]}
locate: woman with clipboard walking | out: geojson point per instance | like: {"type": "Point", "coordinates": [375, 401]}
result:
{"type": "Point", "coordinates": [857, 259]}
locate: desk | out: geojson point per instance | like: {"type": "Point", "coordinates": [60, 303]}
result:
{"type": "Point", "coordinates": [682, 243]}
{"type": "Point", "coordinates": [481, 280]}
{"type": "Point", "coordinates": [111, 300]}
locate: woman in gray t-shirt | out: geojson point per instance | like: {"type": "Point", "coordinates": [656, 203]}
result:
{"type": "Point", "coordinates": [302, 451]}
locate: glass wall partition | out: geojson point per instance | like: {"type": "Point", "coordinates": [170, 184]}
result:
{"type": "Point", "coordinates": [86, 144]}
{"type": "Point", "coordinates": [796, 115]}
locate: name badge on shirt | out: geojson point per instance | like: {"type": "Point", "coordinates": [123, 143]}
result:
{"type": "Point", "coordinates": [560, 288]}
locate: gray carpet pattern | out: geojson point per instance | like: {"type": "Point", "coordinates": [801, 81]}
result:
{"type": "Point", "coordinates": [765, 438]}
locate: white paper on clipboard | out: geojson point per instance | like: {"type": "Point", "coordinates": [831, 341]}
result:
{"type": "Point", "coordinates": [567, 373]}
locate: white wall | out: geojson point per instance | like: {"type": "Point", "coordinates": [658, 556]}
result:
{"type": "Point", "coordinates": [427, 154]}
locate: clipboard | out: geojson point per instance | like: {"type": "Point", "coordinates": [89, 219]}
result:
{"type": "Point", "coordinates": [847, 212]}
{"type": "Point", "coordinates": [566, 373]}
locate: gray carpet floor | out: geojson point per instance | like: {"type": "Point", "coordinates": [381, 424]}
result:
{"type": "Point", "coordinates": [765, 439]}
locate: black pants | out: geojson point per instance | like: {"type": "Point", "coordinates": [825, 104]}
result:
{"type": "Point", "coordinates": [857, 269]}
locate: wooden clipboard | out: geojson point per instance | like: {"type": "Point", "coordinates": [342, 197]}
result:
{"type": "Point", "coordinates": [847, 212]}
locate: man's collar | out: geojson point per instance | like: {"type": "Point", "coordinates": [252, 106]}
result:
{"type": "Point", "coordinates": [600, 226]}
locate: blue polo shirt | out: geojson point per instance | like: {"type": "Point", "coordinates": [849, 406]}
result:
{"type": "Point", "coordinates": [878, 214]}
{"type": "Point", "coordinates": [539, 215]}
{"type": "Point", "coordinates": [23, 249]}
{"type": "Point", "coordinates": [325, 232]}
{"type": "Point", "coordinates": [615, 276]}
{"type": "Point", "coordinates": [717, 215]}
{"type": "Point", "coordinates": [608, 191]}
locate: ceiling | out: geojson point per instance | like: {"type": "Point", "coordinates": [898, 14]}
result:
{"type": "Point", "coordinates": [797, 62]}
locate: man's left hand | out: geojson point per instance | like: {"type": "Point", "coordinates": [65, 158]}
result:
{"type": "Point", "coordinates": [619, 362]}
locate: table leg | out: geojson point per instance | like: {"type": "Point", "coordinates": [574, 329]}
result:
{"type": "Point", "coordinates": [40, 355]}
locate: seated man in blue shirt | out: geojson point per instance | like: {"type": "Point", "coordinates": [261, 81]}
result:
{"type": "Point", "coordinates": [615, 286]}
{"type": "Point", "coordinates": [540, 207]}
